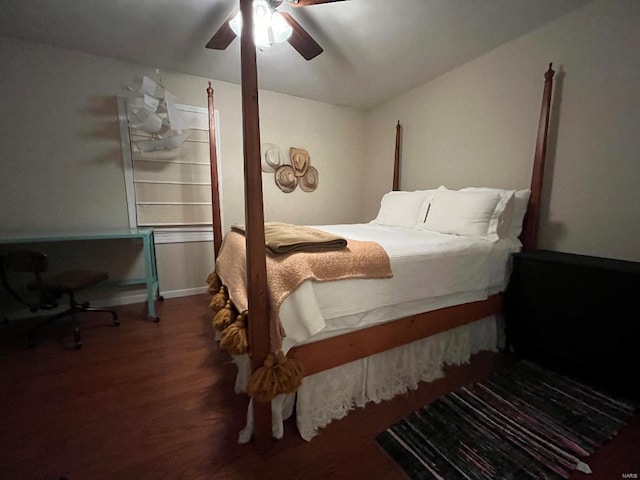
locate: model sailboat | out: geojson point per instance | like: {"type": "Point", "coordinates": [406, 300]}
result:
{"type": "Point", "coordinates": [152, 109]}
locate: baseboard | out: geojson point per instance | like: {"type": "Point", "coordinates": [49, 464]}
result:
{"type": "Point", "coordinates": [114, 301]}
{"type": "Point", "coordinates": [102, 300]}
{"type": "Point", "coordinates": [186, 292]}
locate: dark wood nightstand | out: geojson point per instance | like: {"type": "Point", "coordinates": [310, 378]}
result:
{"type": "Point", "coordinates": [577, 313]}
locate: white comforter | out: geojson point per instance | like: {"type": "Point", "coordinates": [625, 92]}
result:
{"type": "Point", "coordinates": [431, 271]}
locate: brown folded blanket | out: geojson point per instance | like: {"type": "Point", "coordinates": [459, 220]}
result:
{"type": "Point", "coordinates": [281, 238]}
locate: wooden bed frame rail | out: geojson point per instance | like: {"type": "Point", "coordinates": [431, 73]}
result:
{"type": "Point", "coordinates": [365, 342]}
{"type": "Point", "coordinates": [380, 338]}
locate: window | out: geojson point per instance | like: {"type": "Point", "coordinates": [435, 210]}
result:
{"type": "Point", "coordinates": [170, 190]}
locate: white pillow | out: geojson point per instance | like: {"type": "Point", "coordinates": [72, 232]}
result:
{"type": "Point", "coordinates": [402, 209]}
{"type": "Point", "coordinates": [520, 204]}
{"type": "Point", "coordinates": [462, 213]}
{"type": "Point", "coordinates": [501, 218]}
{"type": "Point", "coordinates": [422, 216]}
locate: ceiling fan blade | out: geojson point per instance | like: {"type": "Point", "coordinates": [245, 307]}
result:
{"type": "Point", "coordinates": [301, 40]}
{"type": "Point", "coordinates": [223, 37]}
{"type": "Point", "coordinates": [306, 3]}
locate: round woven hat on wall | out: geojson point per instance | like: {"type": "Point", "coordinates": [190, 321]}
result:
{"type": "Point", "coordinates": [300, 161]}
{"type": "Point", "coordinates": [271, 157]}
{"type": "Point", "coordinates": [286, 179]}
{"type": "Point", "coordinates": [309, 182]}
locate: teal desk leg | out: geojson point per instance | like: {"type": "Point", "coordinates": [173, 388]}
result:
{"type": "Point", "coordinates": [151, 275]}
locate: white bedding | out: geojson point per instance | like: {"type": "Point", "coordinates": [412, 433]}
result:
{"type": "Point", "coordinates": [430, 271]}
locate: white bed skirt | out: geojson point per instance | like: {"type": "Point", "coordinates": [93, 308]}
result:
{"type": "Point", "coordinates": [329, 395]}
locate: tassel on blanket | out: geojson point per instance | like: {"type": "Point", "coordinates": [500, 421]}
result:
{"type": "Point", "coordinates": [263, 384]}
{"type": "Point", "coordinates": [278, 374]}
{"type": "Point", "coordinates": [219, 300]}
{"type": "Point", "coordinates": [225, 316]}
{"type": "Point", "coordinates": [290, 373]}
{"type": "Point", "coordinates": [234, 337]}
{"type": "Point", "coordinates": [214, 283]}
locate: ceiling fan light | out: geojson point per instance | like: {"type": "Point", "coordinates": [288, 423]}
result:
{"type": "Point", "coordinates": [268, 25]}
{"type": "Point", "coordinates": [261, 13]}
{"type": "Point", "coordinates": [262, 37]}
{"type": "Point", "coordinates": [280, 27]}
{"type": "Point", "coordinates": [236, 23]}
{"type": "Point", "coordinates": [261, 31]}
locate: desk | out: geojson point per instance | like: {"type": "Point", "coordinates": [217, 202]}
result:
{"type": "Point", "coordinates": [149, 251]}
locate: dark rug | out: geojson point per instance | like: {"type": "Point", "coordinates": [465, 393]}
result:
{"type": "Point", "coordinates": [521, 423]}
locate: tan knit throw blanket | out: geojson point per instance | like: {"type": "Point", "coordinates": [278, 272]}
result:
{"type": "Point", "coordinates": [287, 238]}
{"type": "Point", "coordinates": [285, 273]}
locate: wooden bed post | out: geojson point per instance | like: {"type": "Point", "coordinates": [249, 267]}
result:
{"type": "Point", "coordinates": [213, 160]}
{"type": "Point", "coordinates": [529, 235]}
{"type": "Point", "coordinates": [396, 161]}
{"type": "Point", "coordinates": [258, 302]}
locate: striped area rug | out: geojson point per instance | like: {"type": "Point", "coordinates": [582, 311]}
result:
{"type": "Point", "coordinates": [522, 423]}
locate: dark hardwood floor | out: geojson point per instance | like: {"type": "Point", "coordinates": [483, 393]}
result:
{"type": "Point", "coordinates": [156, 401]}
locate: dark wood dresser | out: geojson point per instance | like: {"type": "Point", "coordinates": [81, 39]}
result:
{"type": "Point", "coordinates": [579, 314]}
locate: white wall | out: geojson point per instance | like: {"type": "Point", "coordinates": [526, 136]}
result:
{"type": "Point", "coordinates": [477, 124]}
{"type": "Point", "coordinates": [61, 165]}
{"type": "Point", "coordinates": [333, 136]}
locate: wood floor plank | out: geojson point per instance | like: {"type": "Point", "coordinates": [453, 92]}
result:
{"type": "Point", "coordinates": [151, 401]}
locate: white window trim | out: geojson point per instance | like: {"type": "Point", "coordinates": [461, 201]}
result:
{"type": "Point", "coordinates": [163, 234]}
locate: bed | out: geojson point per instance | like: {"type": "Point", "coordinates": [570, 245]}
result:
{"type": "Point", "coordinates": [438, 327]}
{"type": "Point", "coordinates": [431, 271]}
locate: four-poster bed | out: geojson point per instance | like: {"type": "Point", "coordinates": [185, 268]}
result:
{"type": "Point", "coordinates": [313, 357]}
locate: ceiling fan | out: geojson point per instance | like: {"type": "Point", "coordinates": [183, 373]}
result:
{"type": "Point", "coordinates": [281, 26]}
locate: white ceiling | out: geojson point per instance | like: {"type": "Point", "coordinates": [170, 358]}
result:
{"type": "Point", "coordinates": [373, 49]}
